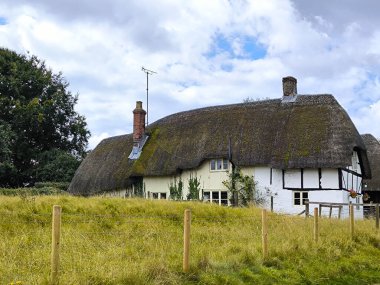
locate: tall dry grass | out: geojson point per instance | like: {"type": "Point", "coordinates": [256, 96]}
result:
{"type": "Point", "coordinates": [132, 241]}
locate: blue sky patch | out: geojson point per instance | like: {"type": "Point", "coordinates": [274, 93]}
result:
{"type": "Point", "coordinates": [253, 49]}
{"type": "Point", "coordinates": [220, 45]}
{"type": "Point", "coordinates": [3, 21]}
{"type": "Point", "coordinates": [237, 46]}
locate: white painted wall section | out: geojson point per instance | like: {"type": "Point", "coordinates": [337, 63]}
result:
{"type": "Point", "coordinates": [330, 178]}
{"type": "Point", "coordinates": [311, 178]}
{"type": "Point", "coordinates": [270, 183]}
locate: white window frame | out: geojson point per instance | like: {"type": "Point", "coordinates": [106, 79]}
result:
{"type": "Point", "coordinates": [301, 197]}
{"type": "Point", "coordinates": [210, 193]}
{"type": "Point", "coordinates": [159, 195]}
{"type": "Point", "coordinates": [219, 164]}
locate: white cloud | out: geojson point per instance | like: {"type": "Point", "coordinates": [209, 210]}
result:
{"type": "Point", "coordinates": [96, 138]}
{"type": "Point", "coordinates": [367, 118]}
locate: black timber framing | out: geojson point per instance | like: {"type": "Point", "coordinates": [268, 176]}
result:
{"type": "Point", "coordinates": [302, 188]}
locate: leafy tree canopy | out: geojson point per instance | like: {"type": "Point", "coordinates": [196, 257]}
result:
{"type": "Point", "coordinates": [37, 117]}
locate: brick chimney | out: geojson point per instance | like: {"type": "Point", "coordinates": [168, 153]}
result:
{"type": "Point", "coordinates": [289, 86]}
{"type": "Point", "coordinates": [138, 122]}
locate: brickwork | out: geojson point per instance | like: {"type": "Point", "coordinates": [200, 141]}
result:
{"type": "Point", "coordinates": [138, 122]}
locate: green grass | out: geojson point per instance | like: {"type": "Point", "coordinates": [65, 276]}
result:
{"type": "Point", "coordinates": [122, 241]}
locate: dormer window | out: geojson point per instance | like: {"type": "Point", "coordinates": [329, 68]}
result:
{"type": "Point", "coordinates": [219, 165]}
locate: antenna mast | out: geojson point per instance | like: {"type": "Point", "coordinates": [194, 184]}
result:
{"type": "Point", "coordinates": [148, 72]}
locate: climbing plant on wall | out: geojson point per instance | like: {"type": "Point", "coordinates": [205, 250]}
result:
{"type": "Point", "coordinates": [176, 189]}
{"type": "Point", "coordinates": [194, 187]}
{"type": "Point", "coordinates": [243, 189]}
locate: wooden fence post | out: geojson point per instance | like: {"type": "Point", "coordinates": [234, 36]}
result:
{"type": "Point", "coordinates": [339, 212]}
{"type": "Point", "coordinates": [352, 221]}
{"type": "Point", "coordinates": [186, 240]}
{"type": "Point", "coordinates": [316, 230]}
{"type": "Point", "coordinates": [264, 233]}
{"type": "Point", "coordinates": [330, 213]}
{"type": "Point", "coordinates": [55, 245]}
{"type": "Point", "coordinates": [271, 204]}
{"type": "Point", "coordinates": [377, 216]}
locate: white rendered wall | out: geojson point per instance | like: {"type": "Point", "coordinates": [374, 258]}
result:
{"type": "Point", "coordinates": [270, 183]}
{"type": "Point", "coordinates": [311, 178]}
{"type": "Point", "coordinates": [330, 178]}
{"type": "Point", "coordinates": [292, 178]}
{"type": "Point", "coordinates": [262, 175]}
{"type": "Point", "coordinates": [283, 199]}
{"type": "Point", "coordinates": [156, 184]}
{"type": "Point", "coordinates": [210, 180]}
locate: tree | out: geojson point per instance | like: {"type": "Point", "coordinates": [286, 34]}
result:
{"type": "Point", "coordinates": [243, 189]}
{"type": "Point", "coordinates": [38, 116]}
{"type": "Point", "coordinates": [7, 168]}
{"type": "Point", "coordinates": [55, 165]}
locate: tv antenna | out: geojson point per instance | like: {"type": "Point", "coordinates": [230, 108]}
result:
{"type": "Point", "coordinates": [148, 72]}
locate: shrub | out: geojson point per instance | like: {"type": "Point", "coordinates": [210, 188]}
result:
{"type": "Point", "coordinates": [175, 189]}
{"type": "Point", "coordinates": [194, 187]}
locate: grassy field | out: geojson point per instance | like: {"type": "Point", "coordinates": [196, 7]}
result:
{"type": "Point", "coordinates": [121, 241]}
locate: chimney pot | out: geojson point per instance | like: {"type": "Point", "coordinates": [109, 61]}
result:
{"type": "Point", "coordinates": [138, 105]}
{"type": "Point", "coordinates": [289, 86]}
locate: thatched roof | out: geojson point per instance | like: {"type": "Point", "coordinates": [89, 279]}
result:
{"type": "Point", "coordinates": [373, 151]}
{"type": "Point", "coordinates": [312, 132]}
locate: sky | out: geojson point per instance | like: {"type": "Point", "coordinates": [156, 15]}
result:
{"type": "Point", "coordinates": [204, 53]}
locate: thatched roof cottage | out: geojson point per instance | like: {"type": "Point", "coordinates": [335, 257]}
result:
{"type": "Point", "coordinates": [296, 147]}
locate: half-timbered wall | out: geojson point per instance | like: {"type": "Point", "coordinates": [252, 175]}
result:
{"type": "Point", "coordinates": [287, 187]}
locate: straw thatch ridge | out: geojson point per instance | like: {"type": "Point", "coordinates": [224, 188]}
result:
{"type": "Point", "coordinates": [373, 151]}
{"type": "Point", "coordinates": [312, 132]}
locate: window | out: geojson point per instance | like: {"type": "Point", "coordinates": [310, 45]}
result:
{"type": "Point", "coordinates": [225, 164]}
{"type": "Point", "coordinates": [219, 164]}
{"type": "Point", "coordinates": [206, 196]}
{"type": "Point", "coordinates": [355, 162]}
{"type": "Point", "coordinates": [299, 198]}
{"type": "Point", "coordinates": [223, 197]}
{"type": "Point", "coordinates": [217, 197]}
{"type": "Point", "coordinates": [159, 196]}
{"type": "Point", "coordinates": [350, 180]}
